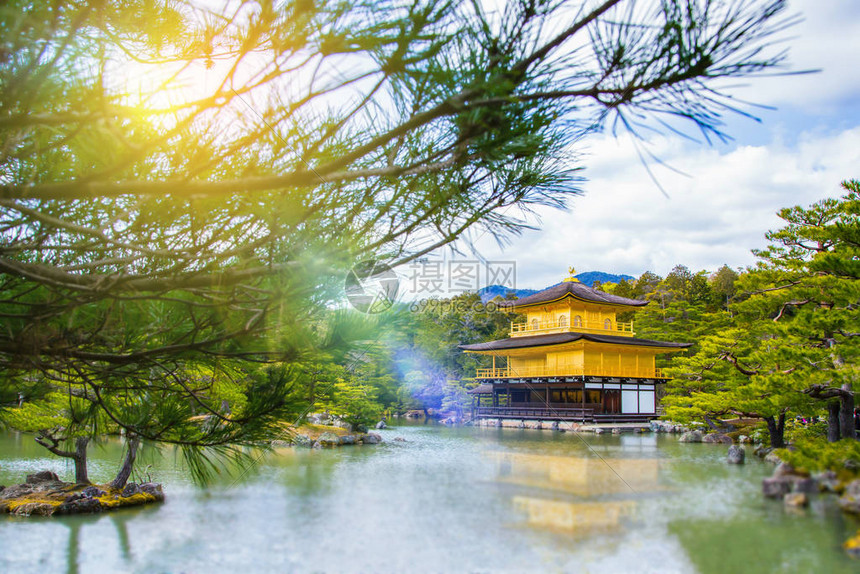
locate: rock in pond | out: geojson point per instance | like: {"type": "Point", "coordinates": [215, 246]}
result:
{"type": "Point", "coordinates": [786, 479]}
{"type": "Point", "coordinates": [348, 439]}
{"type": "Point", "coordinates": [796, 500]}
{"type": "Point", "coordinates": [691, 436]}
{"type": "Point", "coordinates": [328, 439]}
{"type": "Point", "coordinates": [79, 506]}
{"type": "Point", "coordinates": [44, 496]}
{"type": "Point", "coordinates": [16, 491]}
{"type": "Point", "coordinates": [717, 438]}
{"type": "Point", "coordinates": [772, 458]}
{"type": "Point", "coordinates": [775, 486]}
{"type": "Point", "coordinates": [804, 484]}
{"type": "Point", "coordinates": [154, 489]}
{"type": "Point", "coordinates": [341, 424]}
{"type": "Point", "coordinates": [37, 508]}
{"type": "Point", "coordinates": [43, 476]}
{"type": "Point", "coordinates": [93, 492]}
{"type": "Point", "coordinates": [762, 451]}
{"type": "Point", "coordinates": [381, 425]}
{"type": "Point", "coordinates": [850, 499]}
{"type": "Point", "coordinates": [371, 438]}
{"type": "Point", "coordinates": [130, 490]}
{"type": "Point", "coordinates": [303, 440]}
{"type": "Point", "coordinates": [827, 481]}
{"type": "Point", "coordinates": [736, 455]}
{"type": "Point", "coordinates": [852, 546]}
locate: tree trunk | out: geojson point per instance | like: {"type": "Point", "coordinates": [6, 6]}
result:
{"type": "Point", "coordinates": [128, 463]}
{"type": "Point", "coordinates": [776, 430]}
{"type": "Point", "coordinates": [711, 424]}
{"type": "Point", "coordinates": [833, 410]}
{"type": "Point", "coordinates": [80, 459]}
{"type": "Point", "coordinates": [846, 413]}
{"type": "Point", "coordinates": [79, 456]}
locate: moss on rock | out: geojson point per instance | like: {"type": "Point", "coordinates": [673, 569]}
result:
{"type": "Point", "coordinates": [48, 497]}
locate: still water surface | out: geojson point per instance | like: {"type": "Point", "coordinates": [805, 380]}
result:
{"type": "Point", "coordinates": [446, 500]}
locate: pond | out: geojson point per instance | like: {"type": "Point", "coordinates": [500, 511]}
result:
{"type": "Point", "coordinates": [443, 500]}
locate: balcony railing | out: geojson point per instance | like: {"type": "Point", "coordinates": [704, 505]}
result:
{"type": "Point", "coordinates": [561, 413]}
{"type": "Point", "coordinates": [583, 326]}
{"type": "Point", "coordinates": [528, 372]}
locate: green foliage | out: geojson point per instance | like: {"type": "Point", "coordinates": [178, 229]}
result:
{"type": "Point", "coordinates": [345, 396]}
{"type": "Point", "coordinates": [815, 454]}
{"type": "Point", "coordinates": [805, 430]}
{"type": "Point", "coordinates": [789, 329]}
{"type": "Point", "coordinates": [55, 411]}
{"type": "Point", "coordinates": [424, 339]}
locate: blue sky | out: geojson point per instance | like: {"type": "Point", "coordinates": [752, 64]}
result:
{"type": "Point", "coordinates": [727, 200]}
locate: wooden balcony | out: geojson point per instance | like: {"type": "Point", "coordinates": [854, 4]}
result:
{"type": "Point", "coordinates": [545, 413]}
{"type": "Point", "coordinates": [547, 327]}
{"type": "Point", "coordinates": [583, 415]}
{"type": "Point", "coordinates": [529, 372]}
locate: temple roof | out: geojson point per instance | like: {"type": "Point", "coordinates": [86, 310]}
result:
{"type": "Point", "coordinates": [574, 289]}
{"type": "Point", "coordinates": [558, 338]}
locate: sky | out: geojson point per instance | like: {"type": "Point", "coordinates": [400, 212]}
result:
{"type": "Point", "coordinates": [728, 195]}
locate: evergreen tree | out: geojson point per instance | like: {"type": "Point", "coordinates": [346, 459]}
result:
{"type": "Point", "coordinates": [790, 346]}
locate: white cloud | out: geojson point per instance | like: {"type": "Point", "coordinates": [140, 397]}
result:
{"type": "Point", "coordinates": [624, 224]}
{"type": "Point", "coordinates": [828, 39]}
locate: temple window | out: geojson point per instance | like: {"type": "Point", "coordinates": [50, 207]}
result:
{"type": "Point", "coordinates": [607, 324]}
{"type": "Point", "coordinates": [562, 321]}
{"type": "Point", "coordinates": [577, 321]}
{"type": "Point", "coordinates": [535, 324]}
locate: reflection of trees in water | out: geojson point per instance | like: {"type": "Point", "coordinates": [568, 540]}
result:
{"type": "Point", "coordinates": [76, 524]}
{"type": "Point", "coordinates": [783, 543]}
{"type": "Point", "coordinates": [601, 489]}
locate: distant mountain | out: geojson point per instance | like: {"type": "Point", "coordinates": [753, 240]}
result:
{"type": "Point", "coordinates": [588, 278]}
{"type": "Point", "coordinates": [490, 292]}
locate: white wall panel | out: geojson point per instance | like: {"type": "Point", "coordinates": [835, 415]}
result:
{"type": "Point", "coordinates": [629, 402]}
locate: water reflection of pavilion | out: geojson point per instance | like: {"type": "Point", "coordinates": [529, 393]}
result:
{"type": "Point", "coordinates": [580, 495]}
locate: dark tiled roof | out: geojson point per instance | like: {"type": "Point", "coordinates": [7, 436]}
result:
{"type": "Point", "coordinates": [482, 389]}
{"type": "Point", "coordinates": [558, 338]}
{"type": "Point", "coordinates": [575, 289]}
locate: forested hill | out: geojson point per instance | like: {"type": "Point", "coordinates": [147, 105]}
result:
{"type": "Point", "coordinates": [588, 278]}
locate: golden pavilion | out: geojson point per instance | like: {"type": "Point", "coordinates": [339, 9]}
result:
{"type": "Point", "coordinates": [570, 360]}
